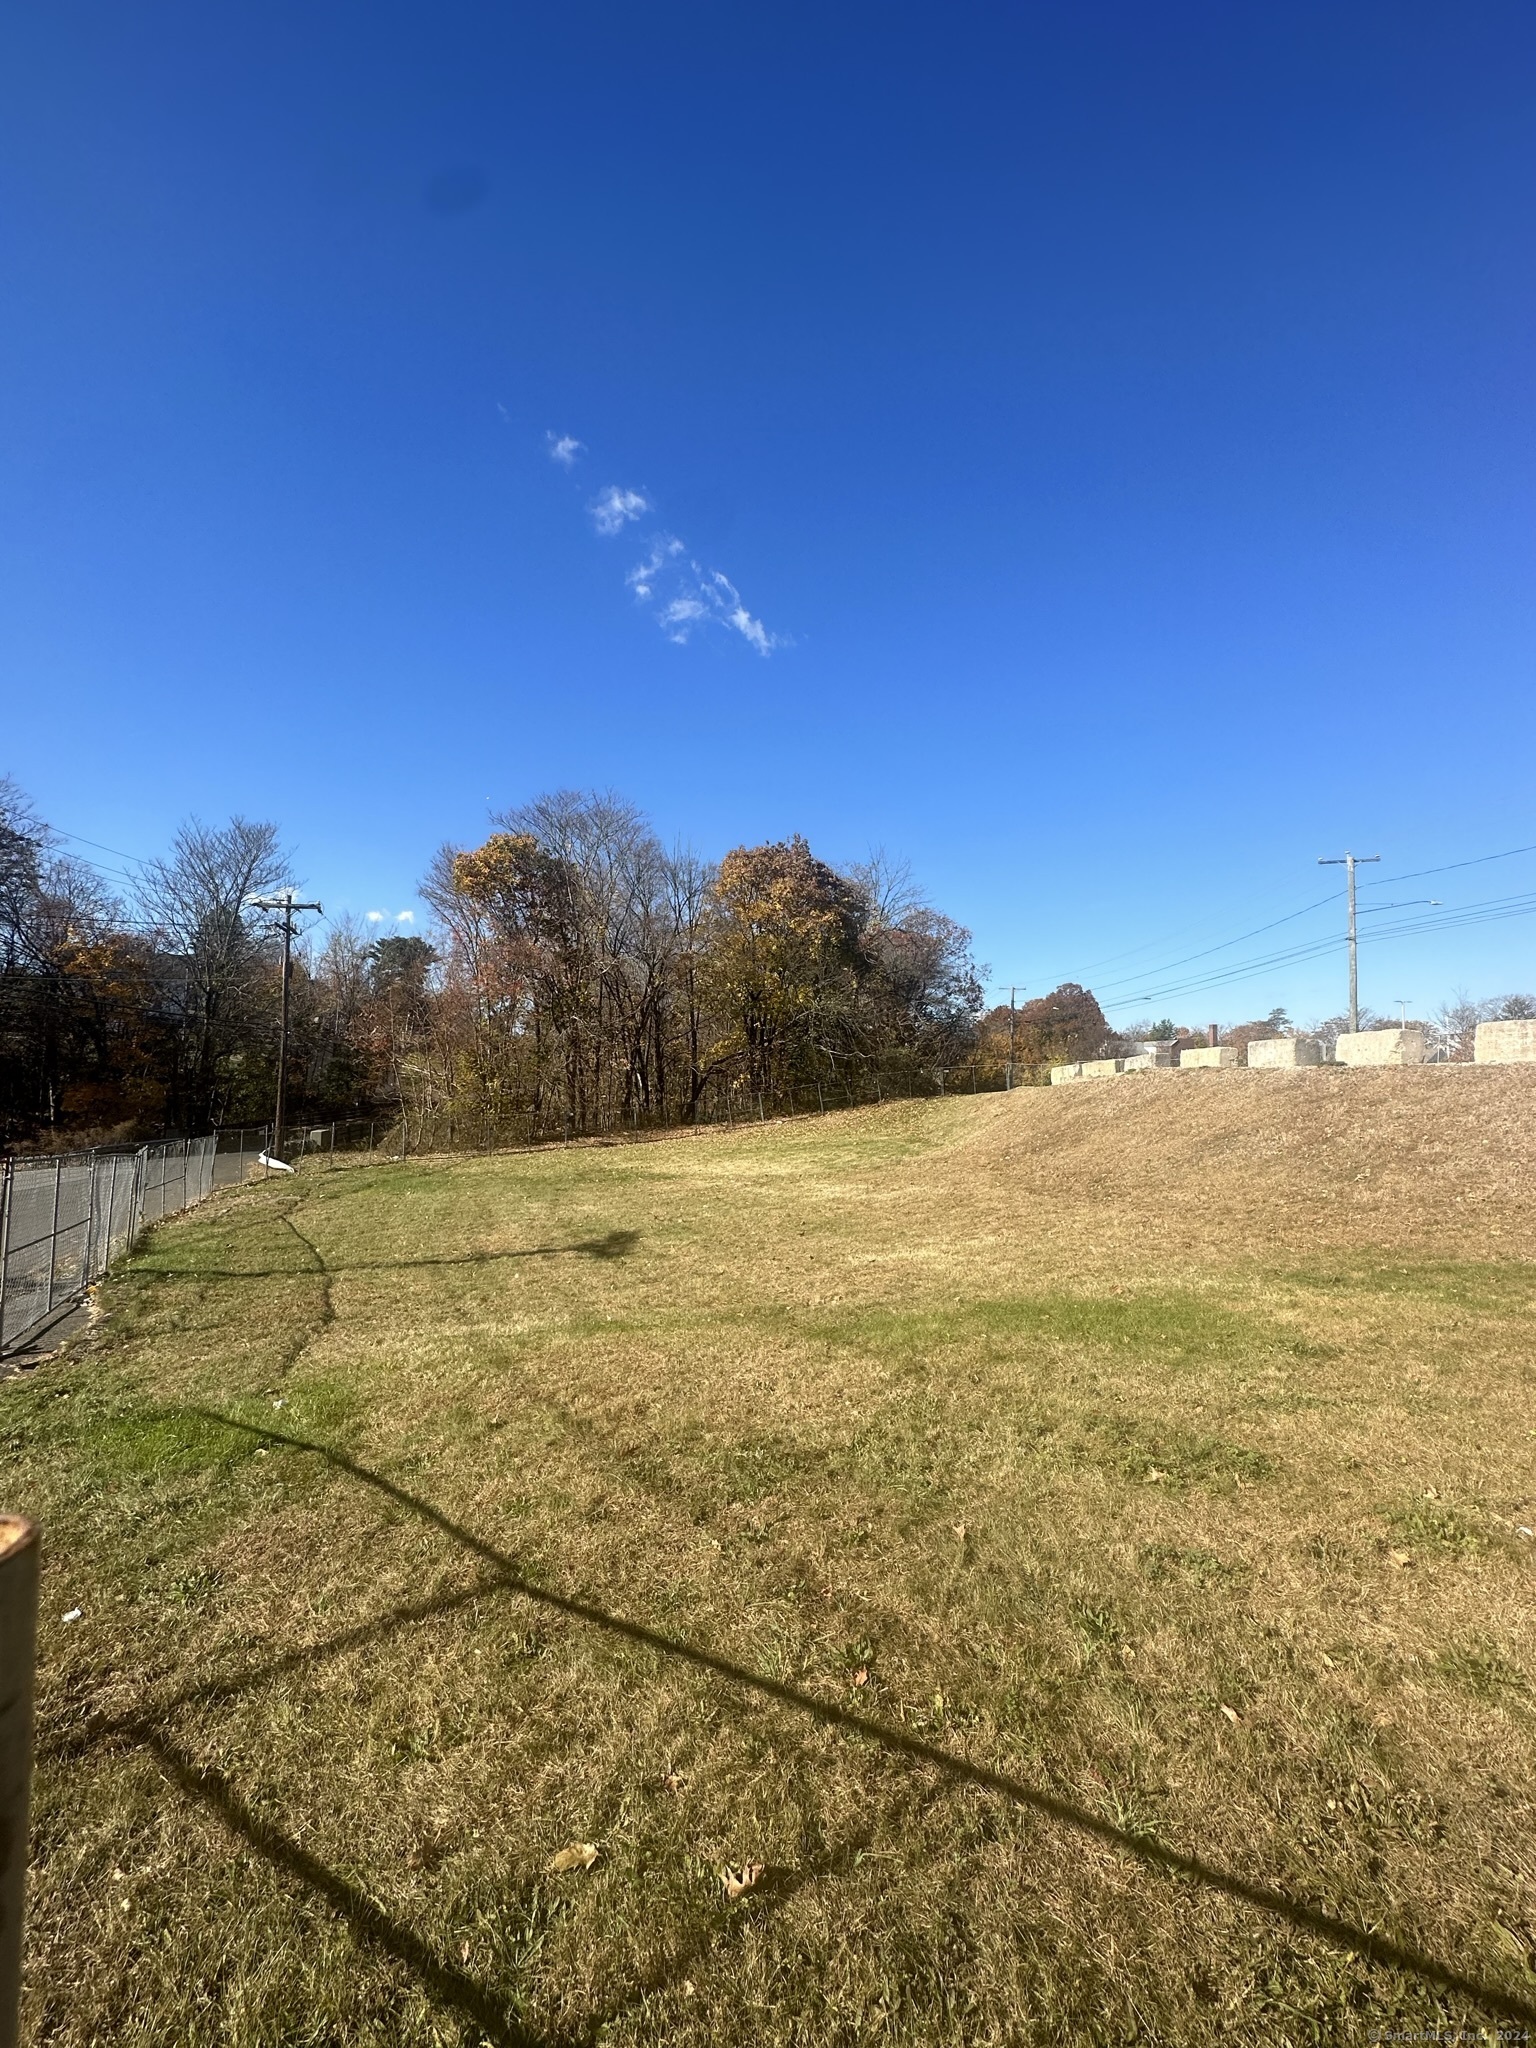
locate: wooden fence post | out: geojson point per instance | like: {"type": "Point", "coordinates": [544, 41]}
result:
{"type": "Point", "coordinates": [18, 1659]}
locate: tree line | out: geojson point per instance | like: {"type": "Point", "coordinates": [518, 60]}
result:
{"type": "Point", "coordinates": [580, 978]}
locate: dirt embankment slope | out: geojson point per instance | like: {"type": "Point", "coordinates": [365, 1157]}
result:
{"type": "Point", "coordinates": [1250, 1164]}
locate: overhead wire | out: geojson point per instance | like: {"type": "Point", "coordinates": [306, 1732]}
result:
{"type": "Point", "coordinates": [1289, 918]}
{"type": "Point", "coordinates": [1378, 882]}
{"type": "Point", "coordinates": [80, 839]}
{"type": "Point", "coordinates": [1417, 874]}
{"type": "Point", "coordinates": [1494, 910]}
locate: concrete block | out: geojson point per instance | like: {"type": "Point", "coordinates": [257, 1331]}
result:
{"type": "Point", "coordinates": [1285, 1052]}
{"type": "Point", "coordinates": [1092, 1070]}
{"type": "Point", "coordinates": [1157, 1054]}
{"type": "Point", "coordinates": [1505, 1040]}
{"type": "Point", "coordinates": [1074, 1072]}
{"type": "Point", "coordinates": [1400, 1046]}
{"type": "Point", "coordinates": [1208, 1056]}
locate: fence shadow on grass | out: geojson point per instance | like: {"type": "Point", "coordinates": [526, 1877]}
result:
{"type": "Point", "coordinates": [1156, 1855]}
{"type": "Point", "coordinates": [451, 1986]}
{"type": "Point", "coordinates": [617, 1244]}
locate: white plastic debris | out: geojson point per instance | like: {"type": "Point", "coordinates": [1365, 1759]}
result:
{"type": "Point", "coordinates": [74, 1614]}
{"type": "Point", "coordinates": [273, 1165]}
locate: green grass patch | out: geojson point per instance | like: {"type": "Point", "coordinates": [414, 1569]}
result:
{"type": "Point", "coordinates": [679, 1494]}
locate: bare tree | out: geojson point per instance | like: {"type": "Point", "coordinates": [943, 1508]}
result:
{"type": "Point", "coordinates": [195, 902]}
{"type": "Point", "coordinates": [1453, 1027]}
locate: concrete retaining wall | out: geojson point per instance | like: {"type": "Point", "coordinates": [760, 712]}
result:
{"type": "Point", "coordinates": [1401, 1046]}
{"type": "Point", "coordinates": [1506, 1040]}
{"type": "Point", "coordinates": [1093, 1070]}
{"type": "Point", "coordinates": [1074, 1072]}
{"type": "Point", "coordinates": [1209, 1056]}
{"type": "Point", "coordinates": [1285, 1052]}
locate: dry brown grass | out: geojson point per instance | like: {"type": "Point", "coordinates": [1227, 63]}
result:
{"type": "Point", "coordinates": [1070, 1540]}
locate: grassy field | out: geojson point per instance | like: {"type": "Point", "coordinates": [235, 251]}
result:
{"type": "Point", "coordinates": [1033, 1568]}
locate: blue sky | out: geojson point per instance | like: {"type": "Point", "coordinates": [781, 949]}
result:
{"type": "Point", "coordinates": [1112, 422]}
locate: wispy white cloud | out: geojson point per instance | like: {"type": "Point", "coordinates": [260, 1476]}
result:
{"type": "Point", "coordinates": [642, 578]}
{"type": "Point", "coordinates": [375, 917]}
{"type": "Point", "coordinates": [406, 917]}
{"type": "Point", "coordinates": [613, 509]}
{"type": "Point", "coordinates": [684, 596]}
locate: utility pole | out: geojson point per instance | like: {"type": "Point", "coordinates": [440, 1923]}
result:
{"type": "Point", "coordinates": [1350, 861]}
{"type": "Point", "coordinates": [284, 901]}
{"type": "Point", "coordinates": [1013, 996]}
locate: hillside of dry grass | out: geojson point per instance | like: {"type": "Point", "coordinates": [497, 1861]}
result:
{"type": "Point", "coordinates": [1238, 1164]}
{"type": "Point", "coordinates": [1072, 1547]}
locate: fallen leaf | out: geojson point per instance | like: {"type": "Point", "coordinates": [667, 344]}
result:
{"type": "Point", "coordinates": [740, 1877]}
{"type": "Point", "coordinates": [674, 1781]}
{"type": "Point", "coordinates": [959, 1528]}
{"type": "Point", "coordinates": [463, 1951]}
{"type": "Point", "coordinates": [574, 1856]}
{"type": "Point", "coordinates": [689, 1987]}
{"type": "Point", "coordinates": [861, 1676]}
{"type": "Point", "coordinates": [1327, 1659]}
{"type": "Point", "coordinates": [1400, 1558]}
{"type": "Point", "coordinates": [1231, 1714]}
{"type": "Point", "coordinates": [1153, 1475]}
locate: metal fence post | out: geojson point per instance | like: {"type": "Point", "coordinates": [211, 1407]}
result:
{"type": "Point", "coordinates": [88, 1255]}
{"type": "Point", "coordinates": [18, 1660]}
{"type": "Point", "coordinates": [111, 1209]}
{"type": "Point", "coordinates": [53, 1235]}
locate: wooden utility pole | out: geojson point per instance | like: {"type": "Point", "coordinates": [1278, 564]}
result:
{"type": "Point", "coordinates": [283, 901]}
{"type": "Point", "coordinates": [1013, 998]}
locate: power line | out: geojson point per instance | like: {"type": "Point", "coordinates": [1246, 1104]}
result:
{"type": "Point", "coordinates": [1494, 910]}
{"type": "Point", "coordinates": [101, 868]}
{"type": "Point", "coordinates": [1472, 914]}
{"type": "Point", "coordinates": [1289, 918]}
{"type": "Point", "coordinates": [1385, 881]}
{"type": "Point", "coordinates": [81, 840]}
{"type": "Point", "coordinates": [1381, 882]}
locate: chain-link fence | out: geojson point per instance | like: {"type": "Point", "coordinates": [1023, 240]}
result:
{"type": "Point", "coordinates": [245, 1152]}
{"type": "Point", "coordinates": [65, 1218]}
